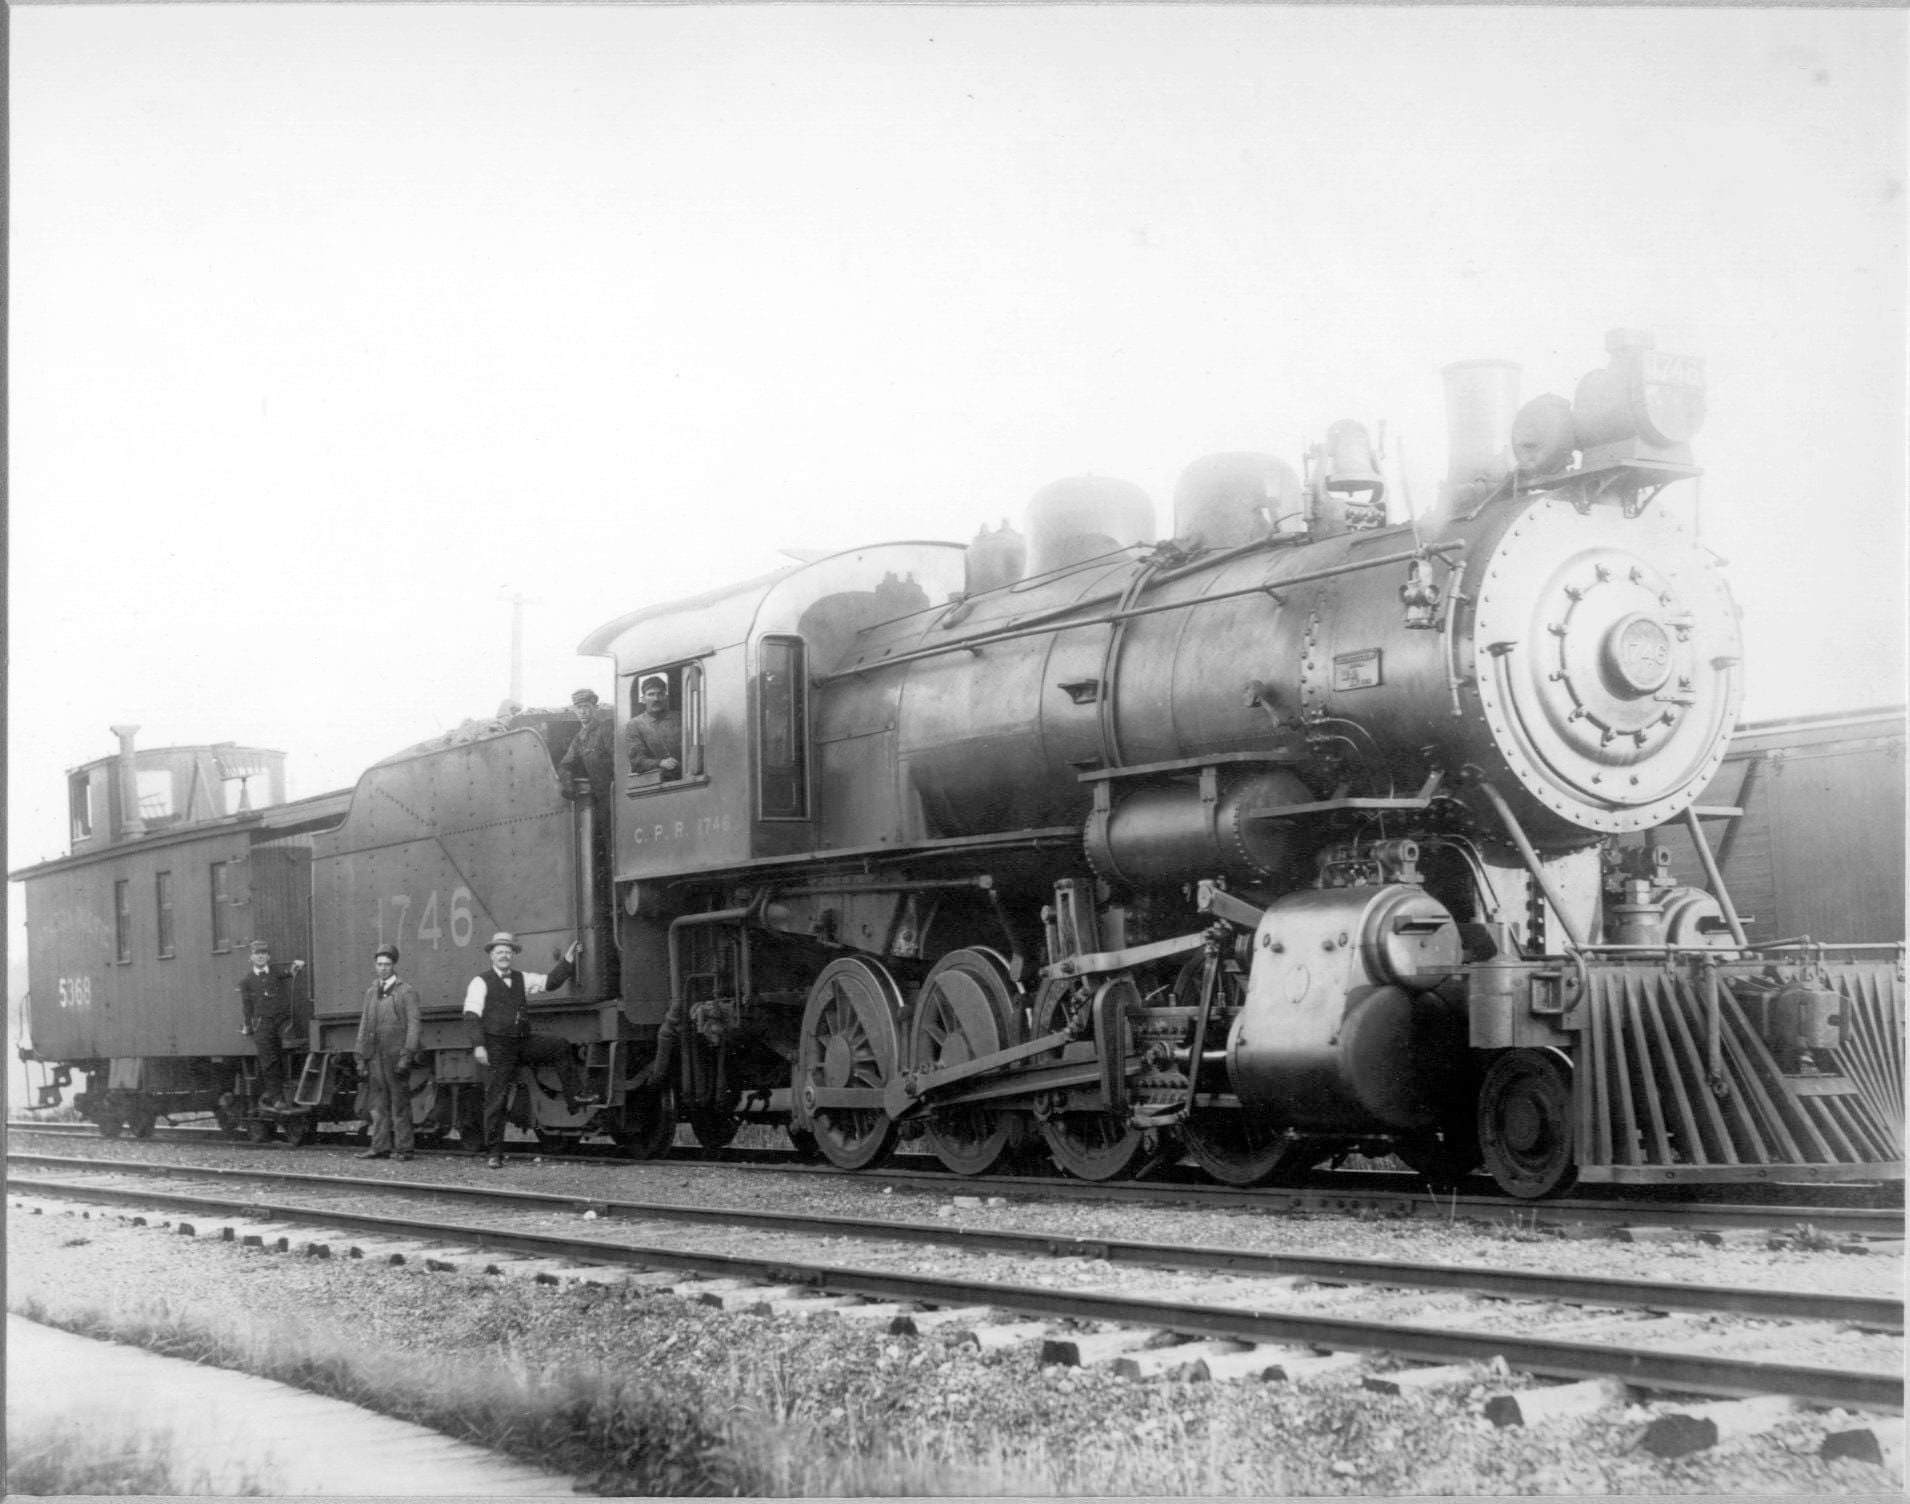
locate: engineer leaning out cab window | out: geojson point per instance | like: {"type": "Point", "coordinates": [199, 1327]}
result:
{"type": "Point", "coordinates": [653, 739]}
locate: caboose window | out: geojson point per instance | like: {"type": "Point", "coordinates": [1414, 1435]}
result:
{"type": "Point", "coordinates": [162, 901]}
{"type": "Point", "coordinates": [782, 761]}
{"type": "Point", "coordinates": [221, 908]}
{"type": "Point", "coordinates": [79, 798]}
{"type": "Point", "coordinates": [123, 920]}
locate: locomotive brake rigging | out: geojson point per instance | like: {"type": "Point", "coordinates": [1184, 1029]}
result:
{"type": "Point", "coordinates": [1298, 834]}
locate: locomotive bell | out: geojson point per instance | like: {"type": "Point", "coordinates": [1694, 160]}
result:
{"type": "Point", "coordinates": [1352, 469]}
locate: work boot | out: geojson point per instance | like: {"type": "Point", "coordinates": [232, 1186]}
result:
{"type": "Point", "coordinates": [380, 1154]}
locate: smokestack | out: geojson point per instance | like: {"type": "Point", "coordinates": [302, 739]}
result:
{"type": "Point", "coordinates": [1482, 397]}
{"type": "Point", "coordinates": [130, 824]}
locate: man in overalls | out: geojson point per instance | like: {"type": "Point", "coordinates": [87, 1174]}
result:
{"type": "Point", "coordinates": [387, 1045]}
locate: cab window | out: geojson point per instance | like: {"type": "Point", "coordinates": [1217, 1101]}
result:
{"type": "Point", "coordinates": [782, 733]}
{"type": "Point", "coordinates": [663, 735]}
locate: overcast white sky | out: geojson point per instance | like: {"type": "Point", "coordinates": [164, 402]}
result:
{"type": "Point", "coordinates": [333, 325]}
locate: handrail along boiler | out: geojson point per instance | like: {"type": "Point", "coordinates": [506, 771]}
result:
{"type": "Point", "coordinates": [1298, 834]}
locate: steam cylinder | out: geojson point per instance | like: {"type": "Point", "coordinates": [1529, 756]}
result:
{"type": "Point", "coordinates": [1338, 1030]}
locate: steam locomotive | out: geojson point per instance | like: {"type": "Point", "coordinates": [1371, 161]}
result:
{"type": "Point", "coordinates": [1299, 834]}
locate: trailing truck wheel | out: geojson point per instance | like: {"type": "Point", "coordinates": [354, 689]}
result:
{"type": "Point", "coordinates": [967, 1009]}
{"type": "Point", "coordinates": [647, 1126]}
{"type": "Point", "coordinates": [850, 1042]}
{"type": "Point", "coordinates": [1525, 1124]}
{"type": "Point", "coordinates": [141, 1119]}
{"type": "Point", "coordinates": [225, 1112]}
{"type": "Point", "coordinates": [110, 1125]}
{"type": "Point", "coordinates": [259, 1130]}
{"type": "Point", "coordinates": [298, 1129]}
{"type": "Point", "coordinates": [713, 1123]}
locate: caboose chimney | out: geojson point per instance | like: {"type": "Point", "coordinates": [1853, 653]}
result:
{"type": "Point", "coordinates": [130, 824]}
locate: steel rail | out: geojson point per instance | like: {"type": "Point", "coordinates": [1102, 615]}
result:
{"type": "Point", "coordinates": [1356, 1190]}
{"type": "Point", "coordinates": [1649, 1368]}
{"type": "Point", "coordinates": [1573, 1289]}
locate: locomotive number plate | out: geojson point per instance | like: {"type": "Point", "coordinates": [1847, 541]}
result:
{"type": "Point", "coordinates": [1356, 670]}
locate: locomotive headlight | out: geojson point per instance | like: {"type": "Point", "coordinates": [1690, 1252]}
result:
{"type": "Point", "coordinates": [1644, 393]}
{"type": "Point", "coordinates": [1668, 399]}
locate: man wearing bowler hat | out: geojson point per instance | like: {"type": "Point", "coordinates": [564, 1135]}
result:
{"type": "Point", "coordinates": [500, 1027]}
{"type": "Point", "coordinates": [265, 1005]}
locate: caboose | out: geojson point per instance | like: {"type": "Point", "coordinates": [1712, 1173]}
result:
{"type": "Point", "coordinates": [136, 940]}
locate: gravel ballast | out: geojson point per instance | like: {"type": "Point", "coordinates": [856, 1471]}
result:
{"type": "Point", "coordinates": [760, 1404]}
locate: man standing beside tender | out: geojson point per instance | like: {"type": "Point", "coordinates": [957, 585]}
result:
{"type": "Point", "coordinates": [500, 1026]}
{"type": "Point", "coordinates": [265, 1004]}
{"type": "Point", "coordinates": [387, 1045]}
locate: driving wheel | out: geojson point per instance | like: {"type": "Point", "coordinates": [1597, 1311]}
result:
{"type": "Point", "coordinates": [1092, 1145]}
{"type": "Point", "coordinates": [850, 1042]}
{"type": "Point", "coordinates": [968, 1008]}
{"type": "Point", "coordinates": [1525, 1124]}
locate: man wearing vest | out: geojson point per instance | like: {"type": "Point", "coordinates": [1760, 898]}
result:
{"type": "Point", "coordinates": [500, 1027]}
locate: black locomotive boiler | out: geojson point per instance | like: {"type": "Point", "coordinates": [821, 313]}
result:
{"type": "Point", "coordinates": [1297, 834]}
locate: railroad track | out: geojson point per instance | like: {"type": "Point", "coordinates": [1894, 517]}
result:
{"type": "Point", "coordinates": [1288, 1320]}
{"type": "Point", "coordinates": [1840, 1213]}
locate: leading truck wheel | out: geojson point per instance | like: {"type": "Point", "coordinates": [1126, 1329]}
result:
{"type": "Point", "coordinates": [1525, 1124]}
{"type": "Point", "coordinates": [850, 1041]}
{"type": "Point", "coordinates": [967, 1009]}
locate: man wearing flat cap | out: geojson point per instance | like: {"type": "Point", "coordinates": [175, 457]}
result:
{"type": "Point", "coordinates": [265, 1004]}
{"type": "Point", "coordinates": [499, 1022]}
{"type": "Point", "coordinates": [591, 757]}
{"type": "Point", "coordinates": [387, 1045]}
{"type": "Point", "coordinates": [653, 737]}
